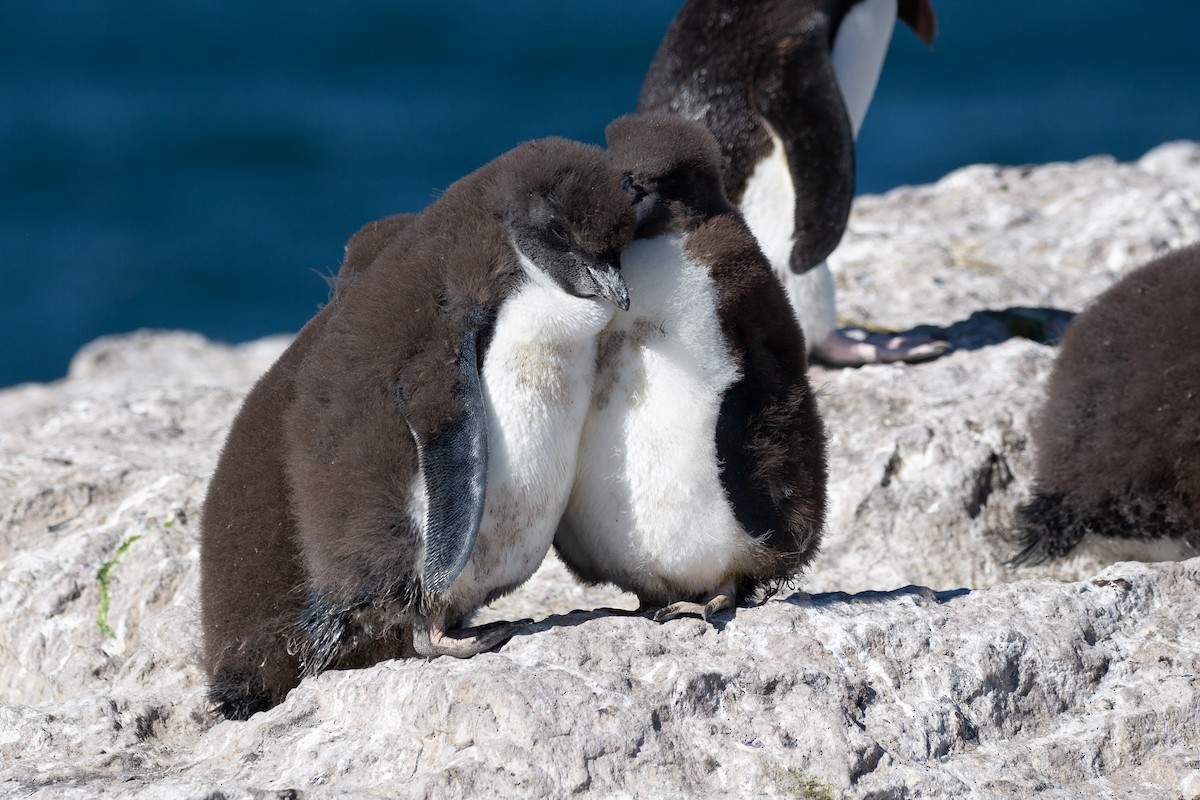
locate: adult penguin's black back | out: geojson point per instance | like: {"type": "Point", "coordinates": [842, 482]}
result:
{"type": "Point", "coordinates": [759, 71]}
{"type": "Point", "coordinates": [1118, 440]}
{"type": "Point", "coordinates": [739, 67]}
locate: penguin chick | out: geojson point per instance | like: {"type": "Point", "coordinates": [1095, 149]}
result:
{"type": "Point", "coordinates": [701, 475]}
{"type": "Point", "coordinates": [431, 444]}
{"type": "Point", "coordinates": [249, 558]}
{"type": "Point", "coordinates": [1117, 442]}
{"type": "Point", "coordinates": [784, 86]}
{"type": "Point", "coordinates": [340, 527]}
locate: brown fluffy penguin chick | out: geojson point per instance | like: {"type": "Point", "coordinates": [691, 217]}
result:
{"type": "Point", "coordinates": [702, 474]}
{"type": "Point", "coordinates": [431, 430]}
{"type": "Point", "coordinates": [1118, 439]}
{"type": "Point", "coordinates": [249, 558]}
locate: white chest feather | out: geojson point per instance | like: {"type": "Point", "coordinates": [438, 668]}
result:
{"type": "Point", "coordinates": [537, 380]}
{"type": "Point", "coordinates": [769, 208]}
{"type": "Point", "coordinates": [648, 504]}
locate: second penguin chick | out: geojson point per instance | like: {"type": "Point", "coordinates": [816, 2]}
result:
{"type": "Point", "coordinates": [701, 473]}
{"type": "Point", "coordinates": [1118, 440]}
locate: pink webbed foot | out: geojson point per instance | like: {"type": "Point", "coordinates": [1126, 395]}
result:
{"type": "Point", "coordinates": [432, 639]}
{"type": "Point", "coordinates": [846, 349]}
{"type": "Point", "coordinates": [721, 601]}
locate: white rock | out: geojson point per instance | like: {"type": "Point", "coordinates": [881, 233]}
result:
{"type": "Point", "coordinates": [1081, 682]}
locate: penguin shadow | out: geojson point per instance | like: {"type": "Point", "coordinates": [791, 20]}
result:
{"type": "Point", "coordinates": [983, 328]}
{"type": "Point", "coordinates": [873, 597]}
{"type": "Point", "coordinates": [988, 327]}
{"type": "Point", "coordinates": [577, 617]}
{"type": "Point", "coordinates": [719, 621]}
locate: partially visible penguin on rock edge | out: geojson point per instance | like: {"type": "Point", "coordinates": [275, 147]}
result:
{"type": "Point", "coordinates": [784, 85]}
{"type": "Point", "coordinates": [427, 436]}
{"type": "Point", "coordinates": [701, 478]}
{"type": "Point", "coordinates": [1117, 444]}
{"type": "Point", "coordinates": [249, 557]}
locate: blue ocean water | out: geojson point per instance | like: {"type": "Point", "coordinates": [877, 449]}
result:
{"type": "Point", "coordinates": [200, 165]}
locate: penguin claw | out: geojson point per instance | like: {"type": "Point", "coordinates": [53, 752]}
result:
{"type": "Point", "coordinates": [679, 609]}
{"type": "Point", "coordinates": [715, 605]}
{"type": "Point", "coordinates": [840, 350]}
{"type": "Point", "coordinates": [431, 638]}
{"type": "Point", "coordinates": [722, 602]}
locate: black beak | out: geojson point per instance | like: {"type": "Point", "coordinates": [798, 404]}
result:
{"type": "Point", "coordinates": [606, 280]}
{"type": "Point", "coordinates": [651, 216]}
{"type": "Point", "coordinates": [644, 211]}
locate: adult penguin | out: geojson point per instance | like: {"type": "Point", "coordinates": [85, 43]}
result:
{"type": "Point", "coordinates": [427, 443]}
{"type": "Point", "coordinates": [784, 86]}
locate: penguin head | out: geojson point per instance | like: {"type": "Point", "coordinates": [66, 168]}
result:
{"type": "Point", "coordinates": [566, 212]}
{"type": "Point", "coordinates": [671, 167]}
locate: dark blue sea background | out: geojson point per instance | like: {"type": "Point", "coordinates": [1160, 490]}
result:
{"type": "Point", "coordinates": [200, 165]}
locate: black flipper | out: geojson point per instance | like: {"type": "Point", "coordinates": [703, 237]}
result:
{"type": "Point", "coordinates": [799, 98]}
{"type": "Point", "coordinates": [454, 466]}
{"type": "Point", "coordinates": [753, 507]}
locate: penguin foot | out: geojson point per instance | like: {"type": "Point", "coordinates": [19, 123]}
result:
{"type": "Point", "coordinates": [839, 349]}
{"type": "Point", "coordinates": [431, 638]}
{"type": "Point", "coordinates": [722, 601]}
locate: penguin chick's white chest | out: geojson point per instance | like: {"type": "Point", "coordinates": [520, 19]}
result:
{"type": "Point", "coordinates": [537, 373]}
{"type": "Point", "coordinates": [648, 507]}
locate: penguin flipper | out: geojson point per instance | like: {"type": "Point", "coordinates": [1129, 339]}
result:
{"type": "Point", "coordinates": [453, 464]}
{"type": "Point", "coordinates": [799, 99]}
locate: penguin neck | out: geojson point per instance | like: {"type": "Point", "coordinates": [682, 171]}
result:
{"type": "Point", "coordinates": [537, 373]}
{"type": "Point", "coordinates": [539, 311]}
{"type": "Point", "coordinates": [859, 49]}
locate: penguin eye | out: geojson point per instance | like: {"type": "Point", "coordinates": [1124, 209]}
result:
{"type": "Point", "coordinates": [558, 235]}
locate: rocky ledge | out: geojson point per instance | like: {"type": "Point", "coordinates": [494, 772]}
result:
{"type": "Point", "coordinates": [909, 662]}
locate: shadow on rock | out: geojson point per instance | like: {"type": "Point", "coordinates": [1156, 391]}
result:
{"type": "Point", "coordinates": [830, 599]}
{"type": "Point", "coordinates": [989, 327]}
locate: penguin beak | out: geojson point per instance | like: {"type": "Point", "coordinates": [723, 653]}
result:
{"type": "Point", "coordinates": [644, 211]}
{"type": "Point", "coordinates": [606, 280]}
{"type": "Point", "coordinates": [647, 207]}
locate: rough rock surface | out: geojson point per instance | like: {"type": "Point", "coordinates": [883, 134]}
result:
{"type": "Point", "coordinates": [1078, 682]}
